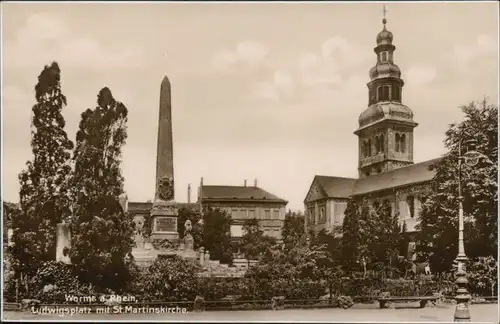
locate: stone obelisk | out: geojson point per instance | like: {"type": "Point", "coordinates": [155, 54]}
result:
{"type": "Point", "coordinates": [164, 211]}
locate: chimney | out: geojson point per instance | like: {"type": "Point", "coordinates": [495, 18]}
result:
{"type": "Point", "coordinates": [189, 193]}
{"type": "Point", "coordinates": [245, 183]}
{"type": "Point", "coordinates": [255, 182]}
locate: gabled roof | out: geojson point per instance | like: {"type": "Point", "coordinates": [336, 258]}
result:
{"type": "Point", "coordinates": [412, 174]}
{"type": "Point", "coordinates": [339, 187]}
{"type": "Point", "coordinates": [238, 193]}
{"type": "Point", "coordinates": [336, 187]}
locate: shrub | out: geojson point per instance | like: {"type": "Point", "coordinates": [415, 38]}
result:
{"type": "Point", "coordinates": [199, 304]}
{"type": "Point", "coordinates": [53, 281]}
{"type": "Point", "coordinates": [278, 302]}
{"type": "Point", "coordinates": [345, 302]}
{"type": "Point", "coordinates": [171, 279]}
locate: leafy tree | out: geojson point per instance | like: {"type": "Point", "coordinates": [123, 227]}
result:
{"type": "Point", "coordinates": [185, 214]}
{"type": "Point", "coordinates": [253, 242]}
{"type": "Point", "coordinates": [483, 275]}
{"type": "Point", "coordinates": [438, 229]}
{"type": "Point", "coordinates": [293, 230]}
{"type": "Point", "coordinates": [302, 272]}
{"type": "Point", "coordinates": [330, 242]}
{"type": "Point", "coordinates": [101, 231]}
{"type": "Point", "coordinates": [43, 197]}
{"type": "Point", "coordinates": [217, 234]}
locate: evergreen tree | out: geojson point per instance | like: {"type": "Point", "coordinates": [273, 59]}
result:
{"type": "Point", "coordinates": [43, 197]}
{"type": "Point", "coordinates": [101, 231]}
{"type": "Point", "coordinates": [293, 230]}
{"type": "Point", "coordinates": [217, 234]}
{"type": "Point", "coordinates": [350, 235]}
{"type": "Point", "coordinates": [386, 235]}
{"type": "Point", "coordinates": [438, 229]}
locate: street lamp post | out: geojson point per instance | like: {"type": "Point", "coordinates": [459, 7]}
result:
{"type": "Point", "coordinates": [471, 158]}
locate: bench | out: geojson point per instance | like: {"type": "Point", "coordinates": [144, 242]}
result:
{"type": "Point", "coordinates": [422, 299]}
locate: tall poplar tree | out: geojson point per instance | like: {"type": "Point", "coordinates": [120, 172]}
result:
{"type": "Point", "coordinates": [43, 196]}
{"type": "Point", "coordinates": [101, 231]}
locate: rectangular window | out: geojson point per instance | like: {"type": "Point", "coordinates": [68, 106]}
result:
{"type": "Point", "coordinates": [234, 213]}
{"type": "Point", "coordinates": [338, 212]}
{"type": "Point", "coordinates": [251, 213]}
{"type": "Point", "coordinates": [243, 213]}
{"type": "Point", "coordinates": [267, 214]}
{"type": "Point", "coordinates": [276, 214]}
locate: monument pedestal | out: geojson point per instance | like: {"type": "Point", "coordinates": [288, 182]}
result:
{"type": "Point", "coordinates": [164, 221]}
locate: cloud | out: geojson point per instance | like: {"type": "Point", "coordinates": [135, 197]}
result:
{"type": "Point", "coordinates": [246, 57]}
{"type": "Point", "coordinates": [482, 46]}
{"type": "Point", "coordinates": [281, 86]}
{"type": "Point", "coordinates": [45, 38]}
{"type": "Point", "coordinates": [328, 66]}
{"type": "Point", "coordinates": [420, 75]}
{"type": "Point", "coordinates": [320, 74]}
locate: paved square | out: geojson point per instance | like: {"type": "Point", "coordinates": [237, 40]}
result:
{"type": "Point", "coordinates": [442, 313]}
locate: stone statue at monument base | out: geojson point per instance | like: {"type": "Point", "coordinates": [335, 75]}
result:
{"type": "Point", "coordinates": [187, 251]}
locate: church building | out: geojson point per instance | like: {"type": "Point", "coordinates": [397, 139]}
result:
{"type": "Point", "coordinates": [386, 172]}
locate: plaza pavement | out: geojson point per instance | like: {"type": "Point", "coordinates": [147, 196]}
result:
{"type": "Point", "coordinates": [367, 313]}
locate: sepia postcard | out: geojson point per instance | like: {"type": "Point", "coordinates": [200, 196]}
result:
{"type": "Point", "coordinates": [250, 161]}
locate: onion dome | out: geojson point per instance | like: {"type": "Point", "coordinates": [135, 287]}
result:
{"type": "Point", "coordinates": [385, 70]}
{"type": "Point", "coordinates": [386, 110]}
{"type": "Point", "coordinates": [384, 37]}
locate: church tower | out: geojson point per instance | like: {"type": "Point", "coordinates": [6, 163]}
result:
{"type": "Point", "coordinates": [385, 133]}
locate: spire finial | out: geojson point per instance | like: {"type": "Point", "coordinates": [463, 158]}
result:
{"type": "Point", "coordinates": [384, 11]}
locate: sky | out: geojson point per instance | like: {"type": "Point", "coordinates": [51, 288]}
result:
{"type": "Point", "coordinates": [271, 91]}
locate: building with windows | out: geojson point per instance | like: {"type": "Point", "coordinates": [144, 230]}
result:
{"type": "Point", "coordinates": [386, 172]}
{"type": "Point", "coordinates": [243, 203]}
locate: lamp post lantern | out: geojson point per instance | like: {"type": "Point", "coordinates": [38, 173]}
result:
{"type": "Point", "coordinates": [471, 158]}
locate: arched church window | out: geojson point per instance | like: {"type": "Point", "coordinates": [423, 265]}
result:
{"type": "Point", "coordinates": [383, 93]}
{"type": "Point", "coordinates": [397, 142]}
{"type": "Point", "coordinates": [383, 56]}
{"type": "Point", "coordinates": [410, 200]}
{"type": "Point", "coordinates": [377, 143]}
{"type": "Point", "coordinates": [381, 145]}
{"type": "Point", "coordinates": [402, 143]}
{"type": "Point", "coordinates": [369, 147]}
{"type": "Point", "coordinates": [396, 93]}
